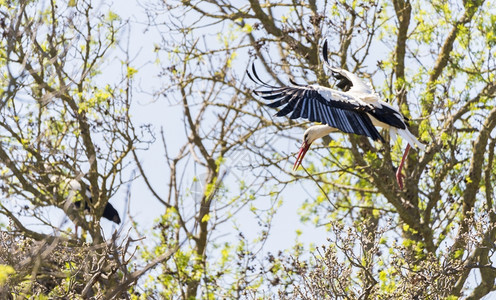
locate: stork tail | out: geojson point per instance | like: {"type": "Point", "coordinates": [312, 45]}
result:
{"type": "Point", "coordinates": [411, 139]}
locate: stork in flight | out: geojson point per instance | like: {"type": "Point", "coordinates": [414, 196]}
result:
{"type": "Point", "coordinates": [357, 109]}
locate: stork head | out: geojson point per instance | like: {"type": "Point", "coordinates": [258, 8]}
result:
{"type": "Point", "coordinates": [310, 135]}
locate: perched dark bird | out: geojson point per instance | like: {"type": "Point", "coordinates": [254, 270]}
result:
{"type": "Point", "coordinates": [357, 109]}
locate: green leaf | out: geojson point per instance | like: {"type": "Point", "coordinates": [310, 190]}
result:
{"type": "Point", "coordinates": [5, 272]}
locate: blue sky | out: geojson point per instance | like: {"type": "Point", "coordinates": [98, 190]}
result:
{"type": "Point", "coordinates": [143, 207]}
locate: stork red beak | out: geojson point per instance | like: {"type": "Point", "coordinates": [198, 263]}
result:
{"type": "Point", "coordinates": [303, 150]}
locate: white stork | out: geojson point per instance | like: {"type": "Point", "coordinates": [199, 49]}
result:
{"type": "Point", "coordinates": [357, 109]}
{"type": "Point", "coordinates": [74, 186]}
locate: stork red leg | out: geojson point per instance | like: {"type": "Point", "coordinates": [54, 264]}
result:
{"type": "Point", "coordinates": [399, 177]}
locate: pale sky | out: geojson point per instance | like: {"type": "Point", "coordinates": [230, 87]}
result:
{"type": "Point", "coordinates": [144, 208]}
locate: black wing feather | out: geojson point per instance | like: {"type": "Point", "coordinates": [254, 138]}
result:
{"type": "Point", "coordinates": [306, 102]}
{"type": "Point", "coordinates": [271, 97]}
{"type": "Point", "coordinates": [286, 109]}
{"type": "Point", "coordinates": [325, 53]}
{"type": "Point", "coordinates": [255, 78]}
{"type": "Point", "coordinates": [280, 102]}
{"type": "Point", "coordinates": [389, 116]}
{"type": "Point", "coordinates": [297, 110]}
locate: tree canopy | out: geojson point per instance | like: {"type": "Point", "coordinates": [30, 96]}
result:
{"type": "Point", "coordinates": [225, 158]}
